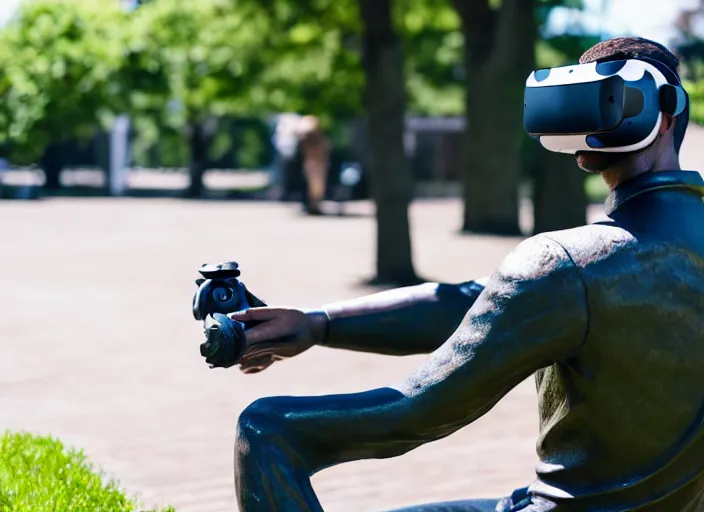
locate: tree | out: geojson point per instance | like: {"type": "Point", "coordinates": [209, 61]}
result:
{"type": "Point", "coordinates": [500, 45]}
{"type": "Point", "coordinates": [57, 57]}
{"type": "Point", "coordinates": [431, 35]}
{"type": "Point", "coordinates": [559, 194]}
{"type": "Point", "coordinates": [390, 177]}
{"type": "Point", "coordinates": [339, 59]}
{"type": "Point", "coordinates": [314, 63]}
{"type": "Point", "coordinates": [210, 53]}
{"type": "Point", "coordinates": [499, 55]}
{"type": "Point", "coordinates": [309, 62]}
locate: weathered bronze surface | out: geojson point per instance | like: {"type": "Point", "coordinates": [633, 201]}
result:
{"type": "Point", "coordinates": [610, 319]}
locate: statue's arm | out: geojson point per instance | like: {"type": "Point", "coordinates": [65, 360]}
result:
{"type": "Point", "coordinates": [409, 320]}
{"type": "Point", "coordinates": [532, 314]}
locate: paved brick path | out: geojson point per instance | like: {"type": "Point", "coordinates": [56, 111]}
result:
{"type": "Point", "coordinates": [99, 348]}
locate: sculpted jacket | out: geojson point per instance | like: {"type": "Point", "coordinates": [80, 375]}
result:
{"type": "Point", "coordinates": [622, 412]}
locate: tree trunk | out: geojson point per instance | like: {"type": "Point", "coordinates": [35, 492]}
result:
{"type": "Point", "coordinates": [499, 55]}
{"type": "Point", "coordinates": [199, 155]}
{"type": "Point", "coordinates": [559, 195]}
{"type": "Point", "coordinates": [391, 183]}
{"type": "Point", "coordinates": [52, 164]}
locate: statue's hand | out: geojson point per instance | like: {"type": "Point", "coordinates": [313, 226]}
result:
{"type": "Point", "coordinates": [276, 334]}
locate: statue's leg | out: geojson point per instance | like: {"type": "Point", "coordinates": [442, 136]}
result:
{"type": "Point", "coordinates": [283, 441]}
{"type": "Point", "coordinates": [454, 506]}
{"type": "Point", "coordinates": [270, 474]}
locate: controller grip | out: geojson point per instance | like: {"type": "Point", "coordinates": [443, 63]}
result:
{"type": "Point", "coordinates": [225, 341]}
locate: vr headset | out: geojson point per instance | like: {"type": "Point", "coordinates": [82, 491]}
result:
{"type": "Point", "coordinates": [612, 107]}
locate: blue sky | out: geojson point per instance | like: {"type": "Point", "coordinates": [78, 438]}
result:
{"type": "Point", "coordinates": [648, 18]}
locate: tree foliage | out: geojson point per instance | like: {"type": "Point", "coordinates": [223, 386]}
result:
{"type": "Point", "coordinates": [200, 59]}
{"type": "Point", "coordinates": [68, 66]}
{"type": "Point", "coordinates": [57, 61]}
{"type": "Point", "coordinates": [313, 58]}
{"type": "Point", "coordinates": [188, 63]}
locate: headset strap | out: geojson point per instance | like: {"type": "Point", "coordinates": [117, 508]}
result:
{"type": "Point", "coordinates": [674, 81]}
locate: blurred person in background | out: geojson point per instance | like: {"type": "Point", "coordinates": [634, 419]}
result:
{"type": "Point", "coordinates": [315, 150]}
{"type": "Point", "coordinates": [285, 168]}
{"type": "Point", "coordinates": [608, 317]}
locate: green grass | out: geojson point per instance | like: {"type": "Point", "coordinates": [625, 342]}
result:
{"type": "Point", "coordinates": [39, 474]}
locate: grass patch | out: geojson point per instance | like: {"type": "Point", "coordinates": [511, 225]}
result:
{"type": "Point", "coordinates": [39, 474]}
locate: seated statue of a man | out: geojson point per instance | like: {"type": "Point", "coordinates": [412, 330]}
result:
{"type": "Point", "coordinates": [608, 317]}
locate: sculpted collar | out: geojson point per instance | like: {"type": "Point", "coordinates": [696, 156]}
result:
{"type": "Point", "coordinates": [690, 181]}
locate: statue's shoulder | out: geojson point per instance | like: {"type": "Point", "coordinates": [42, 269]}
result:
{"type": "Point", "coordinates": [593, 242]}
{"type": "Point", "coordinates": [538, 270]}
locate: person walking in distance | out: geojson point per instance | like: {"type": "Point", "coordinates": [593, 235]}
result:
{"type": "Point", "coordinates": [315, 148]}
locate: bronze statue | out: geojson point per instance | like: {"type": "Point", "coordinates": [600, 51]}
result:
{"type": "Point", "coordinates": [608, 317]}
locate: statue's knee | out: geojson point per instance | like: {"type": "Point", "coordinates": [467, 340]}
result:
{"type": "Point", "coordinates": [256, 420]}
{"type": "Point", "coordinates": [262, 420]}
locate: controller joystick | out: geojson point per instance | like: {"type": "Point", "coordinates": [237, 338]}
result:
{"type": "Point", "coordinates": [219, 293]}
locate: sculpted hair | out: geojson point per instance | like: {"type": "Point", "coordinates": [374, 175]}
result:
{"type": "Point", "coordinates": [622, 48]}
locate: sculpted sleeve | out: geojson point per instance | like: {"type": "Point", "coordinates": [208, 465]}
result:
{"type": "Point", "coordinates": [532, 313]}
{"type": "Point", "coordinates": [410, 320]}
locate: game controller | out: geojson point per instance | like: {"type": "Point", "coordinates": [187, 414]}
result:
{"type": "Point", "coordinates": [219, 293]}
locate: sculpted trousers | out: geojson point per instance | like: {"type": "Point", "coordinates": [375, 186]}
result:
{"type": "Point", "coordinates": [282, 441]}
